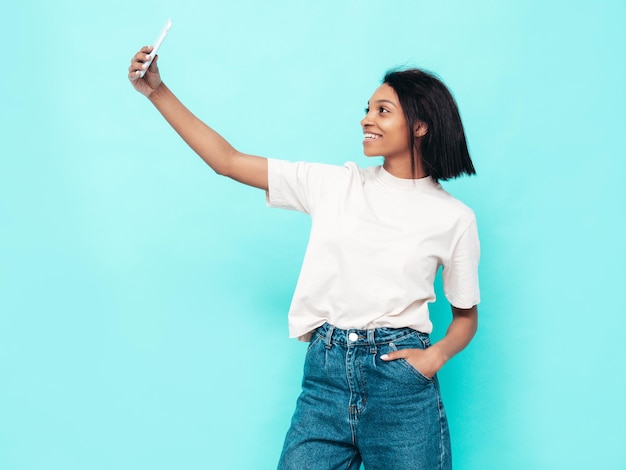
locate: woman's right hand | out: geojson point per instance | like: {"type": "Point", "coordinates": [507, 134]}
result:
{"type": "Point", "coordinates": [147, 84]}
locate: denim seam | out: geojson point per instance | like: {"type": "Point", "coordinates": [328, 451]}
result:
{"type": "Point", "coordinates": [442, 447]}
{"type": "Point", "coordinates": [363, 388]}
{"type": "Point", "coordinates": [351, 461]}
{"type": "Point", "coordinates": [351, 407]}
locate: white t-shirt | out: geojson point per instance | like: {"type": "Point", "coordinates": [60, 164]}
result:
{"type": "Point", "coordinates": [376, 244]}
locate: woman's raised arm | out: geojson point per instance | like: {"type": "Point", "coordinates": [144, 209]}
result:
{"type": "Point", "coordinates": [222, 157]}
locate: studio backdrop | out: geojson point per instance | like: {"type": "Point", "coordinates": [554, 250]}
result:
{"type": "Point", "coordinates": [144, 299]}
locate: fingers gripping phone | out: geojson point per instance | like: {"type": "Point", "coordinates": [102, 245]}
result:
{"type": "Point", "coordinates": [156, 44]}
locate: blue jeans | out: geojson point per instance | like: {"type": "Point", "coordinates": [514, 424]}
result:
{"type": "Point", "coordinates": [356, 408]}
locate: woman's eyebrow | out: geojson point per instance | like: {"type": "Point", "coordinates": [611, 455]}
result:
{"type": "Point", "coordinates": [384, 101]}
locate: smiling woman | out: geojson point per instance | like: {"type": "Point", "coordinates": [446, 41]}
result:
{"type": "Point", "coordinates": [370, 393]}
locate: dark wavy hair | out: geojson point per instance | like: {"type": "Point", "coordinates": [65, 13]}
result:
{"type": "Point", "coordinates": [425, 98]}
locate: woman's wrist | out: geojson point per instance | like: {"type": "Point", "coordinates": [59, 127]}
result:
{"type": "Point", "coordinates": [158, 93]}
{"type": "Point", "coordinates": [439, 354]}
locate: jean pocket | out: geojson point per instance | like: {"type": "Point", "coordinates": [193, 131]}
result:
{"type": "Point", "coordinates": [314, 340]}
{"type": "Point", "coordinates": [416, 344]}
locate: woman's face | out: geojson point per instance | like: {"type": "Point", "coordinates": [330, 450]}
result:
{"type": "Point", "coordinates": [384, 126]}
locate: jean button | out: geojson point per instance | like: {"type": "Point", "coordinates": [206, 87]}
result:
{"type": "Point", "coordinates": [353, 337]}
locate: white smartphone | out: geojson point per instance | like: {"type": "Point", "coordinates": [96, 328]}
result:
{"type": "Point", "coordinates": [157, 43]}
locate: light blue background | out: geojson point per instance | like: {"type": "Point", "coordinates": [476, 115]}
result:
{"type": "Point", "coordinates": [143, 298]}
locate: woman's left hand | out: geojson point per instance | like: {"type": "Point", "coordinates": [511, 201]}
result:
{"type": "Point", "coordinates": [426, 361]}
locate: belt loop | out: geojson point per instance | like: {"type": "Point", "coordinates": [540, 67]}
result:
{"type": "Point", "coordinates": [329, 336]}
{"type": "Point", "coordinates": [370, 340]}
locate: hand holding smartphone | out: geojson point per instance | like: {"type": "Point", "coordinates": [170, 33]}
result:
{"type": "Point", "coordinates": [157, 43]}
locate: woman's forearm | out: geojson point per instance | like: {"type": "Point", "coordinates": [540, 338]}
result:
{"type": "Point", "coordinates": [222, 157]}
{"type": "Point", "coordinates": [459, 334]}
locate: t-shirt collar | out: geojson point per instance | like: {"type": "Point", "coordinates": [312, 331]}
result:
{"type": "Point", "coordinates": [390, 181]}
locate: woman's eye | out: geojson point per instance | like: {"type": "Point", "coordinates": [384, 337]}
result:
{"type": "Point", "coordinates": [380, 110]}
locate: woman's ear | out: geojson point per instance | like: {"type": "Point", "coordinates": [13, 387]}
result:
{"type": "Point", "coordinates": [420, 129]}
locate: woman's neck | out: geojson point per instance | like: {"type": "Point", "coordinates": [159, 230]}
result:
{"type": "Point", "coordinates": [401, 168]}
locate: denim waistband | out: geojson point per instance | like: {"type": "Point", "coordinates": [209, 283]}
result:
{"type": "Point", "coordinates": [371, 337]}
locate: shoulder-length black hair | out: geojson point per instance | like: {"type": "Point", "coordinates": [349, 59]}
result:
{"type": "Point", "coordinates": [425, 98]}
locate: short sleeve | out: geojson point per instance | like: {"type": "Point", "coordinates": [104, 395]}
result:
{"type": "Point", "coordinates": [460, 274]}
{"type": "Point", "coordinates": [300, 185]}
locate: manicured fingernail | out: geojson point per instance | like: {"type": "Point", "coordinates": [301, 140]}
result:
{"type": "Point", "coordinates": [384, 357]}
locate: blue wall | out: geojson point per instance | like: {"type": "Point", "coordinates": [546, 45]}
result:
{"type": "Point", "coordinates": [143, 298]}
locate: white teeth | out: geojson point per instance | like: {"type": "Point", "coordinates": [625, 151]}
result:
{"type": "Point", "coordinates": [368, 135]}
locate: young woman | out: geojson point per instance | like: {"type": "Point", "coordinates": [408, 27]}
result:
{"type": "Point", "coordinates": [369, 394]}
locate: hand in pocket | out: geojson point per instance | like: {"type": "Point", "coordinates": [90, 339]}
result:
{"type": "Point", "coordinates": [426, 361]}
